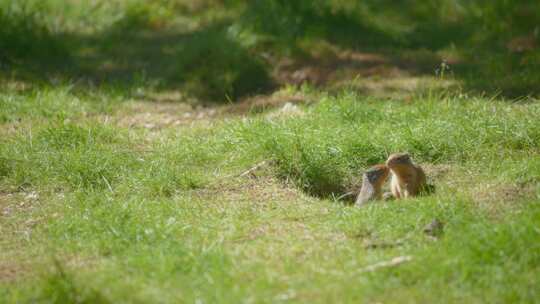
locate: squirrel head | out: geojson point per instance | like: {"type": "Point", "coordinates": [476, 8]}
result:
{"type": "Point", "coordinates": [377, 173]}
{"type": "Point", "coordinates": [398, 159]}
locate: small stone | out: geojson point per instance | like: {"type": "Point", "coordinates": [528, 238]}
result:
{"type": "Point", "coordinates": [435, 228]}
{"type": "Point", "coordinates": [32, 196]}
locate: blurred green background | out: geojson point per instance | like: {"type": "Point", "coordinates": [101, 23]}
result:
{"type": "Point", "coordinates": [220, 50]}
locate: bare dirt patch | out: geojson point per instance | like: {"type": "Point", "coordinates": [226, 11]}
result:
{"type": "Point", "coordinates": [262, 103]}
{"type": "Point", "coordinates": [18, 202]}
{"type": "Point", "coordinates": [10, 272]}
{"type": "Point", "coordinates": [369, 73]}
{"type": "Point", "coordinates": [435, 172]}
{"type": "Point", "coordinates": [494, 196]}
{"type": "Point", "coordinates": [257, 191]}
{"type": "Point", "coordinates": [159, 115]}
{"type": "Point", "coordinates": [329, 65]}
{"type": "Point", "coordinates": [325, 66]}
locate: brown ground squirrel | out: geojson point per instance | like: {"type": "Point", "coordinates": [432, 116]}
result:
{"type": "Point", "coordinates": [407, 178]}
{"type": "Point", "coordinates": [372, 181]}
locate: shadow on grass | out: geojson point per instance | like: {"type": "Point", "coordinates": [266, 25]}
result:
{"type": "Point", "coordinates": [214, 64]}
{"type": "Point", "coordinates": [412, 36]}
{"type": "Point", "coordinates": [24, 41]}
{"type": "Point", "coordinates": [205, 64]}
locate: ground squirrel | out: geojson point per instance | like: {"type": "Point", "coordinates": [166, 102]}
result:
{"type": "Point", "coordinates": [407, 178]}
{"type": "Point", "coordinates": [372, 181]}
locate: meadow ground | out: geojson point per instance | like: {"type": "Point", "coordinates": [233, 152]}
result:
{"type": "Point", "coordinates": [194, 151]}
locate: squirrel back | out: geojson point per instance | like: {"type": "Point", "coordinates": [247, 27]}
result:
{"type": "Point", "coordinates": [372, 181]}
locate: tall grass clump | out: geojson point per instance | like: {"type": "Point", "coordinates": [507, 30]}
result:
{"type": "Point", "coordinates": [342, 136]}
{"type": "Point", "coordinates": [62, 287]}
{"type": "Point", "coordinates": [66, 154]}
{"type": "Point", "coordinates": [174, 166]}
{"type": "Point", "coordinates": [25, 36]}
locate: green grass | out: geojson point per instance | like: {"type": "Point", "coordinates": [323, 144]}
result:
{"type": "Point", "coordinates": [117, 184]}
{"type": "Point", "coordinates": [218, 51]}
{"type": "Point", "coordinates": [158, 213]}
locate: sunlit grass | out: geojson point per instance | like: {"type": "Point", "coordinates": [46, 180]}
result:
{"type": "Point", "coordinates": [175, 211]}
{"type": "Point", "coordinates": [117, 185]}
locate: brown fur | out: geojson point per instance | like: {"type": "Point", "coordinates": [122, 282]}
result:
{"type": "Point", "coordinates": [408, 179]}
